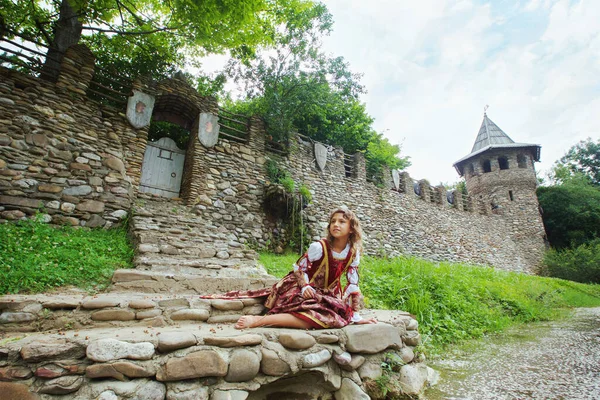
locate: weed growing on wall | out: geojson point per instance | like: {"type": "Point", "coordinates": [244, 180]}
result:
{"type": "Point", "coordinates": [285, 201]}
{"type": "Point", "coordinates": [36, 257]}
{"type": "Point", "coordinates": [456, 302]}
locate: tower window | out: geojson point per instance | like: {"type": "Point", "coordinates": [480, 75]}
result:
{"type": "Point", "coordinates": [503, 162]}
{"type": "Point", "coordinates": [522, 161]}
{"type": "Point", "coordinates": [470, 170]}
{"type": "Point", "coordinates": [510, 195]}
{"type": "Point", "coordinates": [487, 166]}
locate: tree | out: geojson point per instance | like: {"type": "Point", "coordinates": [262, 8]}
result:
{"type": "Point", "coordinates": [380, 152]}
{"type": "Point", "coordinates": [297, 87]}
{"type": "Point", "coordinates": [164, 30]}
{"type": "Point", "coordinates": [571, 213]}
{"type": "Point", "coordinates": [582, 162]}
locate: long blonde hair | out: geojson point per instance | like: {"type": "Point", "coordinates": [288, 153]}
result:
{"type": "Point", "coordinates": [355, 237]}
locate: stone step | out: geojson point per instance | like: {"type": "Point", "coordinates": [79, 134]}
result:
{"type": "Point", "coordinates": [202, 361]}
{"type": "Point", "coordinates": [210, 270]}
{"type": "Point", "coordinates": [169, 283]}
{"type": "Point", "coordinates": [21, 313]}
{"type": "Point", "coordinates": [152, 259]}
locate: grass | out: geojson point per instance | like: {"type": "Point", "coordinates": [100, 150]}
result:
{"type": "Point", "coordinates": [456, 302]}
{"type": "Point", "coordinates": [36, 257]}
{"type": "Point", "coordinates": [452, 302]}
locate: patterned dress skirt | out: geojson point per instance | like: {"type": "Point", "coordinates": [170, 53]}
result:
{"type": "Point", "coordinates": [325, 310]}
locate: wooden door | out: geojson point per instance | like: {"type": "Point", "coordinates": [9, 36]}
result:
{"type": "Point", "coordinates": [162, 168]}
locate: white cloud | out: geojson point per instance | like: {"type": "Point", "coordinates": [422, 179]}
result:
{"type": "Point", "coordinates": [430, 67]}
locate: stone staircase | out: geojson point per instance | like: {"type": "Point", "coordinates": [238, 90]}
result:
{"type": "Point", "coordinates": [178, 252]}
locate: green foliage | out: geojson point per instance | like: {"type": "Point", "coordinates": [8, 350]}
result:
{"type": "Point", "coordinates": [150, 35]}
{"type": "Point", "coordinates": [305, 193]}
{"type": "Point", "coordinates": [571, 213]}
{"type": "Point", "coordinates": [582, 162]}
{"type": "Point", "coordinates": [580, 264]}
{"type": "Point", "coordinates": [460, 186]}
{"type": "Point", "coordinates": [160, 129]}
{"type": "Point", "coordinates": [381, 153]}
{"type": "Point", "coordinates": [275, 173]}
{"type": "Point", "coordinates": [211, 85]}
{"type": "Point", "coordinates": [288, 183]}
{"type": "Point", "coordinates": [455, 302]}
{"type": "Point", "coordinates": [35, 257]}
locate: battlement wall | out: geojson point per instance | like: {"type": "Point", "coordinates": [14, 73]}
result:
{"type": "Point", "coordinates": [78, 162]}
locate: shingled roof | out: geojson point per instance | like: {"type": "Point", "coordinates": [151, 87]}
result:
{"type": "Point", "coordinates": [490, 136]}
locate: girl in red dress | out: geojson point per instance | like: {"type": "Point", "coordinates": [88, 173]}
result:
{"type": "Point", "coordinates": [311, 296]}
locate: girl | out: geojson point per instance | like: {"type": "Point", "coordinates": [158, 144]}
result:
{"type": "Point", "coordinates": [311, 295]}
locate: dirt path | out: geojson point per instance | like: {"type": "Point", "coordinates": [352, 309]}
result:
{"type": "Point", "coordinates": [550, 360]}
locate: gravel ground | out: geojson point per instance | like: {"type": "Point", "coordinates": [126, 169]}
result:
{"type": "Point", "coordinates": [550, 360]}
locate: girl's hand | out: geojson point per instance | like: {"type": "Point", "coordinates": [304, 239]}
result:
{"type": "Point", "coordinates": [309, 292]}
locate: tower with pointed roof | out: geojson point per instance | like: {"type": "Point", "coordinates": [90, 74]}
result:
{"type": "Point", "coordinates": [501, 172]}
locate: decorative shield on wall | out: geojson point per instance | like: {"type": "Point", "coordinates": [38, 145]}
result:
{"type": "Point", "coordinates": [139, 109]}
{"type": "Point", "coordinates": [417, 188]}
{"type": "Point", "coordinates": [396, 178]}
{"type": "Point", "coordinates": [320, 155]}
{"type": "Point", "coordinates": [208, 129]}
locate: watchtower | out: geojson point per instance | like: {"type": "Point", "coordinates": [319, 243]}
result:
{"type": "Point", "coordinates": [501, 172]}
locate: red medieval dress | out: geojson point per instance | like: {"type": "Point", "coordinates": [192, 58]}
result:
{"type": "Point", "coordinates": [322, 269]}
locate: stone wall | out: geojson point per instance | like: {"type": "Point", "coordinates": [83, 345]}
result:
{"type": "Point", "coordinates": [61, 154]}
{"type": "Point", "coordinates": [401, 222]}
{"type": "Point", "coordinates": [80, 163]}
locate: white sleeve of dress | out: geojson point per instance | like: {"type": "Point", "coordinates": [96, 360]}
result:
{"type": "Point", "coordinates": [352, 276]}
{"type": "Point", "coordinates": [315, 252]}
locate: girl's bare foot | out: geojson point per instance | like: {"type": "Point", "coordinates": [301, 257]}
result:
{"type": "Point", "coordinates": [367, 321]}
{"type": "Point", "coordinates": [246, 321]}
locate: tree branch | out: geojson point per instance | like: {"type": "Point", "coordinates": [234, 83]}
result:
{"type": "Point", "coordinates": [120, 32]}
{"type": "Point", "coordinates": [137, 18]}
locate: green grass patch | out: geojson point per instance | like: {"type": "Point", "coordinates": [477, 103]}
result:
{"type": "Point", "coordinates": [36, 257]}
{"type": "Point", "coordinates": [456, 302]}
{"type": "Point", "coordinates": [278, 265]}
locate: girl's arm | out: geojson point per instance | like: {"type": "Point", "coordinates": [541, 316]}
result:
{"type": "Point", "coordinates": [352, 291]}
{"type": "Point", "coordinates": [304, 264]}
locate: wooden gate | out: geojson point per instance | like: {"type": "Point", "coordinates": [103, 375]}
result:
{"type": "Point", "coordinates": [162, 168]}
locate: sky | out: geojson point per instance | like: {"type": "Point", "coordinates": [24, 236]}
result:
{"type": "Point", "coordinates": [431, 66]}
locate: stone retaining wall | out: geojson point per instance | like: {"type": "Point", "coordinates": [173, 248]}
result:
{"type": "Point", "coordinates": [212, 361]}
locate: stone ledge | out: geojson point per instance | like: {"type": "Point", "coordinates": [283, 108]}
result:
{"type": "Point", "coordinates": [204, 361]}
{"type": "Point", "coordinates": [27, 313]}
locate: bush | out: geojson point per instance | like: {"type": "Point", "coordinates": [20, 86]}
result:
{"type": "Point", "coordinates": [571, 213]}
{"type": "Point", "coordinates": [579, 264]}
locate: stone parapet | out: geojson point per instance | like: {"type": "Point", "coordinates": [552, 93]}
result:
{"type": "Point", "coordinates": [33, 313]}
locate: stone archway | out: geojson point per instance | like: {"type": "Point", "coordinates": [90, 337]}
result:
{"type": "Point", "coordinates": [164, 163]}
